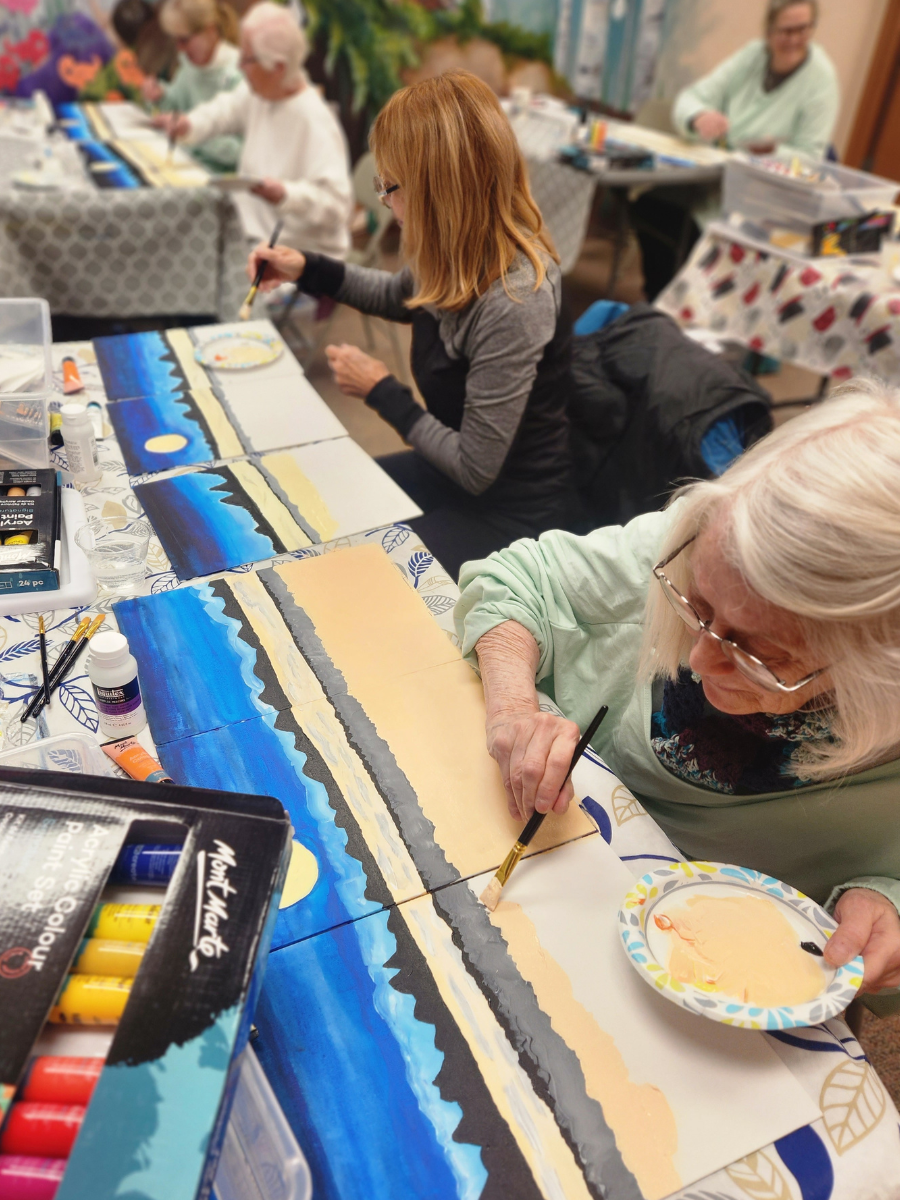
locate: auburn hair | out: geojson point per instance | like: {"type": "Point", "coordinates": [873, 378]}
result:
{"type": "Point", "coordinates": [469, 210]}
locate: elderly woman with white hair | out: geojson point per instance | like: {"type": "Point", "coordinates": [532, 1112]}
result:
{"type": "Point", "coordinates": [293, 143]}
{"type": "Point", "coordinates": [747, 642]}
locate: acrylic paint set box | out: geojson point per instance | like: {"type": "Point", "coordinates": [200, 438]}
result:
{"type": "Point", "coordinates": [29, 531]}
{"type": "Point", "coordinates": [157, 1113]}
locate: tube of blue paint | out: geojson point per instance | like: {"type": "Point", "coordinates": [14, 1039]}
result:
{"type": "Point", "coordinates": [146, 864]}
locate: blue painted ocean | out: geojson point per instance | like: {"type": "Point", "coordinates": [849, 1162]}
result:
{"type": "Point", "coordinates": [353, 1067]}
{"type": "Point", "coordinates": [136, 421]}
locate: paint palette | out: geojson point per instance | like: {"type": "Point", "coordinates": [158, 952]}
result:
{"type": "Point", "coordinates": [646, 928]}
{"type": "Point", "coordinates": [239, 351]}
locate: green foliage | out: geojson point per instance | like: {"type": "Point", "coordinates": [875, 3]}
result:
{"type": "Point", "coordinates": [467, 22]}
{"type": "Point", "coordinates": [373, 41]}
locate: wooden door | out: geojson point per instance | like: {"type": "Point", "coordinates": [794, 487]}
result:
{"type": "Point", "coordinates": [875, 141]}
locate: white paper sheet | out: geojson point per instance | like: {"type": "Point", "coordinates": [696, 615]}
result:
{"type": "Point", "coordinates": [282, 412]}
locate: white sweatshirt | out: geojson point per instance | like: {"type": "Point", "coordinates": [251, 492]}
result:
{"type": "Point", "coordinates": [299, 142]}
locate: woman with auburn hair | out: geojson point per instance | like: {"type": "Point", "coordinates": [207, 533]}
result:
{"type": "Point", "coordinates": [490, 345]}
{"type": "Point", "coordinates": [747, 642]}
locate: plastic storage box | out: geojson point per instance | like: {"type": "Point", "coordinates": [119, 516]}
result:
{"type": "Point", "coordinates": [260, 1158]}
{"type": "Point", "coordinates": [73, 752]}
{"type": "Point", "coordinates": [26, 381]}
{"type": "Point", "coordinates": [766, 197]}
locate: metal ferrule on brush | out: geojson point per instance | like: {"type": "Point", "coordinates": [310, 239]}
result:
{"type": "Point", "coordinates": [508, 865]}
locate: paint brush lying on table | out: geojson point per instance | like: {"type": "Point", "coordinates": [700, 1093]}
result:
{"type": "Point", "coordinates": [83, 633]}
{"type": "Point", "coordinates": [244, 314]}
{"type": "Point", "coordinates": [490, 897]}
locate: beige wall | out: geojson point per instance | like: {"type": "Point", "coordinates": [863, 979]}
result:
{"type": "Point", "coordinates": [703, 32]}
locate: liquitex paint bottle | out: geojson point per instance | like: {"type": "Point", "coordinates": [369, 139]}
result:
{"type": "Point", "coordinates": [112, 670]}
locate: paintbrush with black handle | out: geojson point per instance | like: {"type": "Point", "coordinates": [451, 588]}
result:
{"type": "Point", "coordinates": [244, 313]}
{"type": "Point", "coordinates": [490, 897]}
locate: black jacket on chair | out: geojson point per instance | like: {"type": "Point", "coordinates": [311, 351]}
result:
{"type": "Point", "coordinates": [644, 397]}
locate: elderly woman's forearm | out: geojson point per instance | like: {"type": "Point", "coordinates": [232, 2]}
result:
{"type": "Point", "coordinates": [508, 658]}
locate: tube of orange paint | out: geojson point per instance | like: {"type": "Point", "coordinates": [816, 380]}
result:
{"type": "Point", "coordinates": [131, 756]}
{"type": "Point", "coordinates": [71, 376]}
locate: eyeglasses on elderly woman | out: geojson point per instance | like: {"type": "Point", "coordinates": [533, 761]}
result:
{"type": "Point", "coordinates": [748, 664]}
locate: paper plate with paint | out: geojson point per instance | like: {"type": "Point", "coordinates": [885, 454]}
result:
{"type": "Point", "coordinates": [239, 351]}
{"type": "Point", "coordinates": [734, 945]}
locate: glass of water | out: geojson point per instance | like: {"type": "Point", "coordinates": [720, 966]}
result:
{"type": "Point", "coordinates": [117, 557]}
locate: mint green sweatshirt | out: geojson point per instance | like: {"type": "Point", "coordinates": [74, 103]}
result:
{"type": "Point", "coordinates": [582, 599]}
{"type": "Point", "coordinates": [799, 114]}
{"type": "Point", "coordinates": [194, 85]}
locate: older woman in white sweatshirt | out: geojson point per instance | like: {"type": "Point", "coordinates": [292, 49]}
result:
{"type": "Point", "coordinates": [293, 143]}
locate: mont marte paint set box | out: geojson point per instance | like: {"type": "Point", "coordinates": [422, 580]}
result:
{"type": "Point", "coordinates": [29, 531]}
{"type": "Point", "coordinates": [150, 1122]}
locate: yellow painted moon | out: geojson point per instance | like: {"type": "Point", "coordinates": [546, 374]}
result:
{"type": "Point", "coordinates": [165, 443]}
{"type": "Point", "coordinates": [302, 873]}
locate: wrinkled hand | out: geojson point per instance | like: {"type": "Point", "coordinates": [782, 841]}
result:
{"type": "Point", "coordinates": [710, 125]}
{"type": "Point", "coordinates": [533, 750]}
{"type": "Point", "coordinates": [152, 90]}
{"type": "Point", "coordinates": [283, 265]}
{"type": "Point", "coordinates": [868, 924]}
{"type": "Point", "coordinates": [355, 372]}
{"type": "Point", "coordinates": [270, 189]}
{"type": "Point", "coordinates": [174, 124]}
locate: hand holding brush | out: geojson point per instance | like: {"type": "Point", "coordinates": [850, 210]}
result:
{"type": "Point", "coordinates": [490, 897]}
{"type": "Point", "coordinates": [244, 314]}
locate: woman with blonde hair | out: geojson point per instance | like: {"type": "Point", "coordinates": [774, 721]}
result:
{"type": "Point", "coordinates": [747, 642]}
{"type": "Point", "coordinates": [205, 33]}
{"type": "Point", "coordinates": [490, 345]}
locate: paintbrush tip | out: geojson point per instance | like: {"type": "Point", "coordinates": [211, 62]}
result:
{"type": "Point", "coordinates": [490, 897]}
{"type": "Point", "coordinates": [244, 314]}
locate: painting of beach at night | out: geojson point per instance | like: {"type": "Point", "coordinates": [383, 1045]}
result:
{"type": "Point", "coordinates": [507, 1054]}
{"type": "Point", "coordinates": [163, 362]}
{"type": "Point", "coordinates": [250, 510]}
{"type": "Point", "coordinates": [168, 410]}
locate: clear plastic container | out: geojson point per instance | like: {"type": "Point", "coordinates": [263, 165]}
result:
{"type": "Point", "coordinates": [765, 196]}
{"type": "Point", "coordinates": [74, 752]}
{"type": "Point", "coordinates": [260, 1158]}
{"type": "Point", "coordinates": [26, 382]}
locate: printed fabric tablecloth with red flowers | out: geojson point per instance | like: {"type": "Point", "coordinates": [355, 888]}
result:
{"type": "Point", "coordinates": [836, 316]}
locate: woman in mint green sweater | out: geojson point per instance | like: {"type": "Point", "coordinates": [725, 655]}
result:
{"type": "Point", "coordinates": [206, 33]}
{"type": "Point", "coordinates": [780, 92]}
{"type": "Point", "coordinates": [747, 642]}
{"type": "Point", "coordinates": [776, 93]}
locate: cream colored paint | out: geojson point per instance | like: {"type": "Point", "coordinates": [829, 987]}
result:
{"type": "Point", "coordinates": [166, 443]}
{"type": "Point", "coordinates": [183, 349]}
{"type": "Point", "coordinates": [425, 702]}
{"type": "Point", "coordinates": [638, 1114]}
{"type": "Point", "coordinates": [703, 32]}
{"type": "Point", "coordinates": [303, 494]}
{"type": "Point", "coordinates": [741, 946]}
{"type": "Point", "coordinates": [278, 516]}
{"type": "Point", "coordinates": [302, 873]}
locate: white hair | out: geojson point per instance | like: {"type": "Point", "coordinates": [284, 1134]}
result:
{"type": "Point", "coordinates": [275, 37]}
{"type": "Point", "coordinates": [812, 521]}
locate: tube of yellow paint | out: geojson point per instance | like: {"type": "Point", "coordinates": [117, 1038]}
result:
{"type": "Point", "coordinates": [91, 1000]}
{"type": "Point", "coordinates": [124, 922]}
{"type": "Point", "coordinates": [131, 756]}
{"type": "Point", "coordinates": [104, 956]}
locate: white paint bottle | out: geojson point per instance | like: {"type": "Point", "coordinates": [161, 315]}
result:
{"type": "Point", "coordinates": [112, 670]}
{"type": "Point", "coordinates": [80, 443]}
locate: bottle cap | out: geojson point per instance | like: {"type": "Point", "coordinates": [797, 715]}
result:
{"type": "Point", "coordinates": [73, 411]}
{"type": "Point", "coordinates": [107, 645]}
